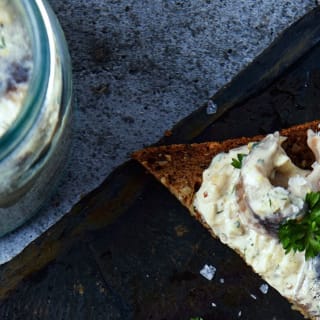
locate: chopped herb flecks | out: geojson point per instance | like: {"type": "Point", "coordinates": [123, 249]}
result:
{"type": "Point", "coordinates": [2, 38]}
{"type": "Point", "coordinates": [237, 163]}
{"type": "Point", "coordinates": [2, 42]}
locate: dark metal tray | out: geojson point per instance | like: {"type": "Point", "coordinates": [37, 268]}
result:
{"type": "Point", "coordinates": [129, 250]}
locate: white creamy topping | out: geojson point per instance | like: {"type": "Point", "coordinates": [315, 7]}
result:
{"type": "Point", "coordinates": [15, 64]}
{"type": "Point", "coordinates": [240, 204]}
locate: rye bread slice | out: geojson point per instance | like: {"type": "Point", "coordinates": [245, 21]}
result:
{"type": "Point", "coordinates": [179, 167]}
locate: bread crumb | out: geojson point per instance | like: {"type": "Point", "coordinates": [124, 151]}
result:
{"type": "Point", "coordinates": [78, 288]}
{"type": "Point", "coordinates": [181, 230]}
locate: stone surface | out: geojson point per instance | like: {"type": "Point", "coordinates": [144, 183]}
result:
{"type": "Point", "coordinates": [141, 66]}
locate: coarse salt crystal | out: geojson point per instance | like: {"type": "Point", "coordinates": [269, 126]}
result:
{"type": "Point", "coordinates": [208, 271]}
{"type": "Point", "coordinates": [213, 304]}
{"type": "Point", "coordinates": [264, 288]}
{"type": "Point", "coordinates": [239, 314]}
{"type": "Point", "coordinates": [211, 107]}
{"type": "Point", "coordinates": [253, 296]}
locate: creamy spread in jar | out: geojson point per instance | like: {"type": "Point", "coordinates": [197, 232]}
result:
{"type": "Point", "coordinates": [35, 108]}
{"type": "Point", "coordinates": [15, 64]}
{"type": "Point", "coordinates": [245, 203]}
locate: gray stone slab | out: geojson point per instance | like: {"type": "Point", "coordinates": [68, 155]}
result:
{"type": "Point", "coordinates": [139, 67]}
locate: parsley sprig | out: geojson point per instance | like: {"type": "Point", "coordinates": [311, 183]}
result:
{"type": "Point", "coordinates": [237, 163]}
{"type": "Point", "coordinates": [303, 233]}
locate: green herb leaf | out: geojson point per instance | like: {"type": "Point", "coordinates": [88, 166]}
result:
{"type": "Point", "coordinates": [2, 42]}
{"type": "Point", "coordinates": [312, 199]}
{"type": "Point", "coordinates": [237, 163]}
{"type": "Point", "coordinates": [2, 38]}
{"type": "Point", "coordinates": [303, 234]}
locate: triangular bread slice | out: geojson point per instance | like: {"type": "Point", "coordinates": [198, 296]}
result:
{"type": "Point", "coordinates": [179, 168]}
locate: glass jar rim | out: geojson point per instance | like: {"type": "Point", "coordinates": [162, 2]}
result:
{"type": "Point", "coordinates": [39, 80]}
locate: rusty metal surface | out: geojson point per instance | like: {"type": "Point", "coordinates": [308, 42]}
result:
{"type": "Point", "coordinates": [129, 250]}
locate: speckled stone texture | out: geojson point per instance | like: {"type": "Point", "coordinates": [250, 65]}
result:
{"type": "Point", "coordinates": [139, 67]}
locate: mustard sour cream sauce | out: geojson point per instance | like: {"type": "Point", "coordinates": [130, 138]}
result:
{"type": "Point", "coordinates": [15, 64]}
{"type": "Point", "coordinates": [244, 207]}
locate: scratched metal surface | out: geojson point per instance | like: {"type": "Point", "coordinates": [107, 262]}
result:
{"type": "Point", "coordinates": [146, 263]}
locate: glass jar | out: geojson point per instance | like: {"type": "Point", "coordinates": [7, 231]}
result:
{"type": "Point", "coordinates": [36, 90]}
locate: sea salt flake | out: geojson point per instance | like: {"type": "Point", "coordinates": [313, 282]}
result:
{"type": "Point", "coordinates": [208, 272]}
{"type": "Point", "coordinates": [211, 107]}
{"type": "Point", "coordinates": [213, 305]}
{"type": "Point", "coordinates": [253, 296]}
{"type": "Point", "coordinates": [239, 314]}
{"type": "Point", "coordinates": [264, 288]}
